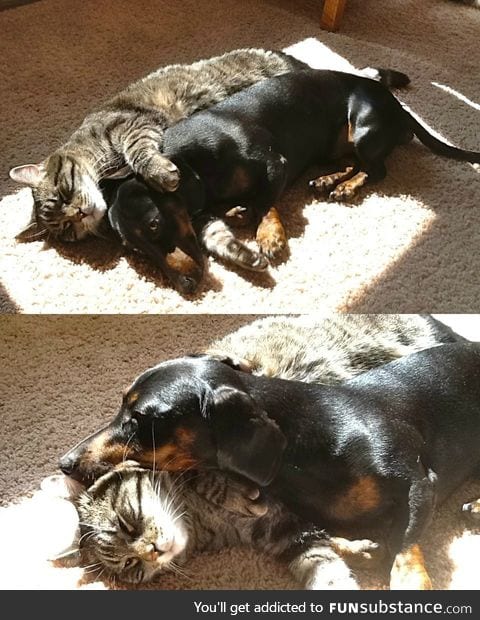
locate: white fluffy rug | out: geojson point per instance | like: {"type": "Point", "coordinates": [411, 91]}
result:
{"type": "Point", "coordinates": [410, 244]}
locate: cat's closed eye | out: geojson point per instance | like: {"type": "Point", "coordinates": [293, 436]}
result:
{"type": "Point", "coordinates": [125, 526]}
{"type": "Point", "coordinates": [130, 562]}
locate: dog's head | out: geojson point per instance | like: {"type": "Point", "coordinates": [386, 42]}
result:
{"type": "Point", "coordinates": [188, 413]}
{"type": "Point", "coordinates": [156, 224]}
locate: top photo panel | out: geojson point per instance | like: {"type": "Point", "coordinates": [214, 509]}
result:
{"type": "Point", "coordinates": [239, 156]}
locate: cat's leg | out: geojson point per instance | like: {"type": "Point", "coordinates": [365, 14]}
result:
{"type": "Point", "coordinates": [315, 563]}
{"type": "Point", "coordinates": [140, 142]}
{"type": "Point", "coordinates": [219, 240]}
{"type": "Point", "coordinates": [231, 492]}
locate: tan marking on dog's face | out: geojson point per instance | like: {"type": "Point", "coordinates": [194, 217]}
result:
{"type": "Point", "coordinates": [168, 457]}
{"type": "Point", "coordinates": [362, 497]}
{"type": "Point", "coordinates": [409, 572]}
{"type": "Point", "coordinates": [101, 451]}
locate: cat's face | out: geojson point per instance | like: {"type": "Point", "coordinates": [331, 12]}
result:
{"type": "Point", "coordinates": [68, 204]}
{"type": "Point", "coordinates": [131, 525]}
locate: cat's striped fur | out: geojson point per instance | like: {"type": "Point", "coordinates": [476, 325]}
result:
{"type": "Point", "coordinates": [328, 349]}
{"type": "Point", "coordinates": [136, 524]}
{"type": "Point", "coordinates": [128, 131]}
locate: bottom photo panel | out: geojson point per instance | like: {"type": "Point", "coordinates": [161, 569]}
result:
{"type": "Point", "coordinates": [203, 452]}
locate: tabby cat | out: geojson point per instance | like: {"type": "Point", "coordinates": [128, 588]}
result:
{"type": "Point", "coordinates": [328, 349]}
{"type": "Point", "coordinates": [135, 524]}
{"type": "Point", "coordinates": [126, 133]}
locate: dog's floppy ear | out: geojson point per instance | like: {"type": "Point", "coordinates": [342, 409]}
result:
{"type": "Point", "coordinates": [237, 363]}
{"type": "Point", "coordinates": [248, 442]}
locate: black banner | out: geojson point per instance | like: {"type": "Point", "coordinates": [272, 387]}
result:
{"type": "Point", "coordinates": [227, 604]}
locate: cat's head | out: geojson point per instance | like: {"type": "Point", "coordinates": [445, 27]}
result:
{"type": "Point", "coordinates": [131, 526]}
{"type": "Point", "coordinates": [67, 203]}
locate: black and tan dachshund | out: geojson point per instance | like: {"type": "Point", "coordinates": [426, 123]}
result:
{"type": "Point", "coordinates": [384, 447]}
{"type": "Point", "coordinates": [244, 151]}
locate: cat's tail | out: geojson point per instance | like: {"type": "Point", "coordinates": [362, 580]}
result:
{"type": "Point", "coordinates": [388, 77]}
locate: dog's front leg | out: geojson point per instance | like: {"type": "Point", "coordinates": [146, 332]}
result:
{"type": "Point", "coordinates": [408, 571]}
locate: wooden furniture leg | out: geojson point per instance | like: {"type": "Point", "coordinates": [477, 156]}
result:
{"type": "Point", "coordinates": [332, 14]}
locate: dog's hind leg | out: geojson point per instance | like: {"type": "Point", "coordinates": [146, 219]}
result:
{"type": "Point", "coordinates": [328, 182]}
{"type": "Point", "coordinates": [376, 125]}
{"type": "Point", "coordinates": [472, 509]}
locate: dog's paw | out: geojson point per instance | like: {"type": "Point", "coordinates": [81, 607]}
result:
{"type": "Point", "coordinates": [274, 246]}
{"type": "Point", "coordinates": [409, 572]}
{"type": "Point", "coordinates": [472, 510]}
{"type": "Point", "coordinates": [271, 236]}
{"type": "Point", "coordinates": [344, 192]}
{"type": "Point", "coordinates": [323, 184]}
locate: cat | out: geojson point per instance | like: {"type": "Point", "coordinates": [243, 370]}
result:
{"type": "Point", "coordinates": [126, 133]}
{"type": "Point", "coordinates": [135, 524]}
{"type": "Point", "coordinates": [328, 349]}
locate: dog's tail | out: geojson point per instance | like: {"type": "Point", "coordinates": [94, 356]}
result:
{"type": "Point", "coordinates": [438, 146]}
{"type": "Point", "coordinates": [388, 77]}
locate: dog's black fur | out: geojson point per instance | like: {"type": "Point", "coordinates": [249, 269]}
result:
{"type": "Point", "coordinates": [386, 445]}
{"type": "Point", "coordinates": [248, 148]}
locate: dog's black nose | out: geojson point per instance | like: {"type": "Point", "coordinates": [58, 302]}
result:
{"type": "Point", "coordinates": [67, 464]}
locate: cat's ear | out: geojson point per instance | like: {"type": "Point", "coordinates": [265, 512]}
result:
{"type": "Point", "coordinates": [33, 231]}
{"type": "Point", "coordinates": [248, 442]}
{"type": "Point", "coordinates": [29, 174]}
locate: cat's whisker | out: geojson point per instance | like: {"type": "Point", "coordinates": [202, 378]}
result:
{"type": "Point", "coordinates": [176, 569]}
{"type": "Point", "coordinates": [86, 536]}
{"type": "Point", "coordinates": [177, 517]}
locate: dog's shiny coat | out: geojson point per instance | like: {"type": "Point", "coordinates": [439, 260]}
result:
{"type": "Point", "coordinates": [386, 445]}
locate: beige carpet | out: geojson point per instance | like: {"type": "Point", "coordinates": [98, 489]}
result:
{"type": "Point", "coordinates": [61, 377]}
{"type": "Point", "coordinates": [409, 245]}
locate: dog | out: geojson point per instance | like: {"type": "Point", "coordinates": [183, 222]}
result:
{"type": "Point", "coordinates": [384, 447]}
{"type": "Point", "coordinates": [244, 151]}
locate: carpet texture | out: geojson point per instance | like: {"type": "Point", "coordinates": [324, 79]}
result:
{"type": "Point", "coordinates": [62, 377]}
{"type": "Point", "coordinates": [410, 244]}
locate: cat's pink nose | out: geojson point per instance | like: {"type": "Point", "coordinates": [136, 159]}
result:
{"type": "Point", "coordinates": [164, 546]}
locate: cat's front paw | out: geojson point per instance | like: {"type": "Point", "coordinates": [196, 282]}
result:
{"type": "Point", "coordinates": [163, 175]}
{"type": "Point", "coordinates": [245, 499]}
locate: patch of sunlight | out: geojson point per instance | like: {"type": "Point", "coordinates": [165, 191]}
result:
{"type": "Point", "coordinates": [33, 531]}
{"type": "Point", "coordinates": [318, 55]}
{"type": "Point", "coordinates": [458, 95]}
{"type": "Point", "coordinates": [464, 552]}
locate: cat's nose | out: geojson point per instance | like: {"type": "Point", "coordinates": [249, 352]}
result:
{"type": "Point", "coordinates": [163, 546]}
{"type": "Point", "coordinates": [153, 551]}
